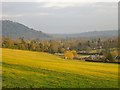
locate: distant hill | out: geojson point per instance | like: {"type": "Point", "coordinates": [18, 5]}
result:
{"type": "Point", "coordinates": [109, 33]}
{"type": "Point", "coordinates": [15, 30]}
{"type": "Point", "coordinates": [90, 34]}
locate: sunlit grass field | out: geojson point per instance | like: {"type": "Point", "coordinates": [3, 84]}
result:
{"type": "Point", "coordinates": [28, 69]}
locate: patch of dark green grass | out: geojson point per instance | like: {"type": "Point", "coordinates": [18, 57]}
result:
{"type": "Point", "coordinates": [45, 78]}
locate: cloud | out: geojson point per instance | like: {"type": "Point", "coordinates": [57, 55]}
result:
{"type": "Point", "coordinates": [63, 17]}
{"type": "Point", "coordinates": [5, 16]}
{"type": "Point", "coordinates": [107, 4]}
{"type": "Point", "coordinates": [58, 5]}
{"type": "Point", "coordinates": [63, 1]}
{"type": "Point", "coordinates": [11, 16]}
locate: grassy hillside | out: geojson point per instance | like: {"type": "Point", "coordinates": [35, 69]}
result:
{"type": "Point", "coordinates": [39, 70]}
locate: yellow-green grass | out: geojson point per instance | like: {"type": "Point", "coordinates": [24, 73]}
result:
{"type": "Point", "coordinates": [42, 70]}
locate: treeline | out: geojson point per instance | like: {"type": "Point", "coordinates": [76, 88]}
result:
{"type": "Point", "coordinates": [58, 46]}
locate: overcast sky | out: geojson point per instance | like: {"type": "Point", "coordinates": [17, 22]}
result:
{"type": "Point", "coordinates": [64, 16]}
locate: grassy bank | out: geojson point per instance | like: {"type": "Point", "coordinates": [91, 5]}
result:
{"type": "Point", "coordinates": [42, 70]}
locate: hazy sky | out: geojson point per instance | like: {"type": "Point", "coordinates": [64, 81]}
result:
{"type": "Point", "coordinates": [64, 16]}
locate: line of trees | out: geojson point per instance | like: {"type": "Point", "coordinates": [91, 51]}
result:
{"type": "Point", "coordinates": [58, 46]}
